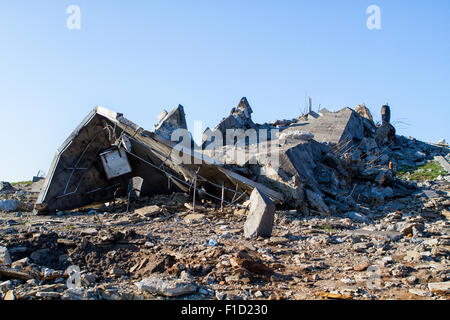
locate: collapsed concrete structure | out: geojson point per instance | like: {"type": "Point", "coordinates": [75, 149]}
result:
{"type": "Point", "coordinates": [97, 160]}
{"type": "Point", "coordinates": [319, 165]}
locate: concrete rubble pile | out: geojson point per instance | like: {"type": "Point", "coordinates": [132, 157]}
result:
{"type": "Point", "coordinates": [308, 207]}
{"type": "Point", "coordinates": [322, 158]}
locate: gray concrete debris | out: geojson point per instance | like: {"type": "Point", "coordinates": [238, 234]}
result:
{"type": "Point", "coordinates": [334, 127]}
{"type": "Point", "coordinates": [385, 134]}
{"type": "Point", "coordinates": [356, 216]}
{"type": "Point", "coordinates": [363, 111]}
{"type": "Point", "coordinates": [5, 258]}
{"type": "Point", "coordinates": [442, 287]}
{"type": "Point", "coordinates": [259, 221]}
{"type": "Point", "coordinates": [382, 235]}
{"type": "Point", "coordinates": [12, 205]}
{"type": "Point", "coordinates": [444, 163]}
{"type": "Point", "coordinates": [6, 187]}
{"type": "Point", "coordinates": [316, 202]}
{"type": "Point", "coordinates": [442, 143]}
{"type": "Point", "coordinates": [239, 118]}
{"type": "Point", "coordinates": [166, 286]}
{"type": "Point", "coordinates": [172, 121]}
{"type": "Point", "coordinates": [385, 114]}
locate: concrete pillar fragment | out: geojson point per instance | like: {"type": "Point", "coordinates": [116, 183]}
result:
{"type": "Point", "coordinates": [259, 222]}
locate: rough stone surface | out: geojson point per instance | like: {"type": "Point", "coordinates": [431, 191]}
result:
{"type": "Point", "coordinates": [385, 134]}
{"type": "Point", "coordinates": [6, 187]}
{"type": "Point", "coordinates": [176, 119]}
{"type": "Point", "coordinates": [148, 211]}
{"type": "Point", "coordinates": [439, 287]}
{"type": "Point", "coordinates": [316, 202]}
{"type": "Point", "coordinates": [167, 287]}
{"type": "Point", "coordinates": [5, 258]}
{"type": "Point", "coordinates": [363, 111]}
{"type": "Point", "coordinates": [261, 215]}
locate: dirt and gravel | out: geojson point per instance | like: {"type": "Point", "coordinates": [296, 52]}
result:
{"type": "Point", "coordinates": [400, 251]}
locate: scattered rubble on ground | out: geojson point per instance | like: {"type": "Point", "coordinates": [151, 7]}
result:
{"type": "Point", "coordinates": [352, 211]}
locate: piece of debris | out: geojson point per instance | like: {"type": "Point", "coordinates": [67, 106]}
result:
{"type": "Point", "coordinates": [6, 187]}
{"type": "Point", "coordinates": [337, 296]}
{"type": "Point", "coordinates": [259, 221]}
{"type": "Point", "coordinates": [149, 211]}
{"type": "Point", "coordinates": [439, 287]}
{"type": "Point", "coordinates": [5, 258]}
{"type": "Point", "coordinates": [337, 198]}
{"type": "Point", "coordinates": [166, 286]}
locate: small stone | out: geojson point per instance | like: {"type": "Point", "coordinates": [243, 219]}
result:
{"type": "Point", "coordinates": [117, 272]}
{"type": "Point", "coordinates": [400, 270]}
{"type": "Point", "coordinates": [4, 286]}
{"type": "Point", "coordinates": [357, 217]}
{"type": "Point", "coordinates": [411, 280]}
{"type": "Point", "coordinates": [149, 211]}
{"type": "Point", "coordinates": [420, 292]}
{"type": "Point", "coordinates": [259, 294]}
{"type": "Point", "coordinates": [89, 279]}
{"type": "Point", "coordinates": [194, 217]}
{"type": "Point", "coordinates": [149, 244]}
{"type": "Point", "coordinates": [89, 232]}
{"type": "Point", "coordinates": [166, 286]}
{"type": "Point", "coordinates": [439, 287]}
{"type": "Point", "coordinates": [362, 266]}
{"type": "Point", "coordinates": [348, 281]}
{"type": "Point", "coordinates": [44, 294]}
{"type": "Point", "coordinates": [360, 247]}
{"type": "Point", "coordinates": [5, 257]}
{"type": "Point", "coordinates": [10, 295]}
{"type": "Point", "coordinates": [387, 260]}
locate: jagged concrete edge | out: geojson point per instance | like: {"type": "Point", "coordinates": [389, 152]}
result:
{"type": "Point", "coordinates": [97, 110]}
{"type": "Point", "coordinates": [114, 117]}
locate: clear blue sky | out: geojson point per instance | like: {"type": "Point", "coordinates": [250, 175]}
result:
{"type": "Point", "coordinates": [137, 57]}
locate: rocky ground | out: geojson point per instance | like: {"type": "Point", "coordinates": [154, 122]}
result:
{"type": "Point", "coordinates": [398, 249]}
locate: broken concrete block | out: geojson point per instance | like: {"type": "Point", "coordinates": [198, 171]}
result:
{"type": "Point", "coordinates": [175, 119]}
{"type": "Point", "coordinates": [383, 177]}
{"type": "Point", "coordinates": [385, 134]}
{"type": "Point", "coordinates": [407, 228]}
{"type": "Point", "coordinates": [442, 143]}
{"type": "Point", "coordinates": [259, 222]}
{"type": "Point", "coordinates": [6, 187]}
{"type": "Point", "coordinates": [162, 115]}
{"type": "Point", "coordinates": [439, 287]}
{"type": "Point", "coordinates": [12, 205]}
{"type": "Point", "coordinates": [385, 114]}
{"type": "Point", "coordinates": [5, 258]}
{"type": "Point", "coordinates": [444, 163]}
{"type": "Point", "coordinates": [10, 295]}
{"type": "Point", "coordinates": [239, 118]}
{"type": "Point", "coordinates": [316, 202]}
{"type": "Point", "coordinates": [194, 217]}
{"type": "Point", "coordinates": [364, 112]}
{"type": "Point", "coordinates": [358, 217]}
{"type": "Point", "coordinates": [166, 286]}
{"type": "Point", "coordinates": [135, 187]}
{"type": "Point", "coordinates": [148, 211]}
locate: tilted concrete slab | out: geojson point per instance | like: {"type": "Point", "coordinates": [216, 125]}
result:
{"type": "Point", "coordinates": [334, 127]}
